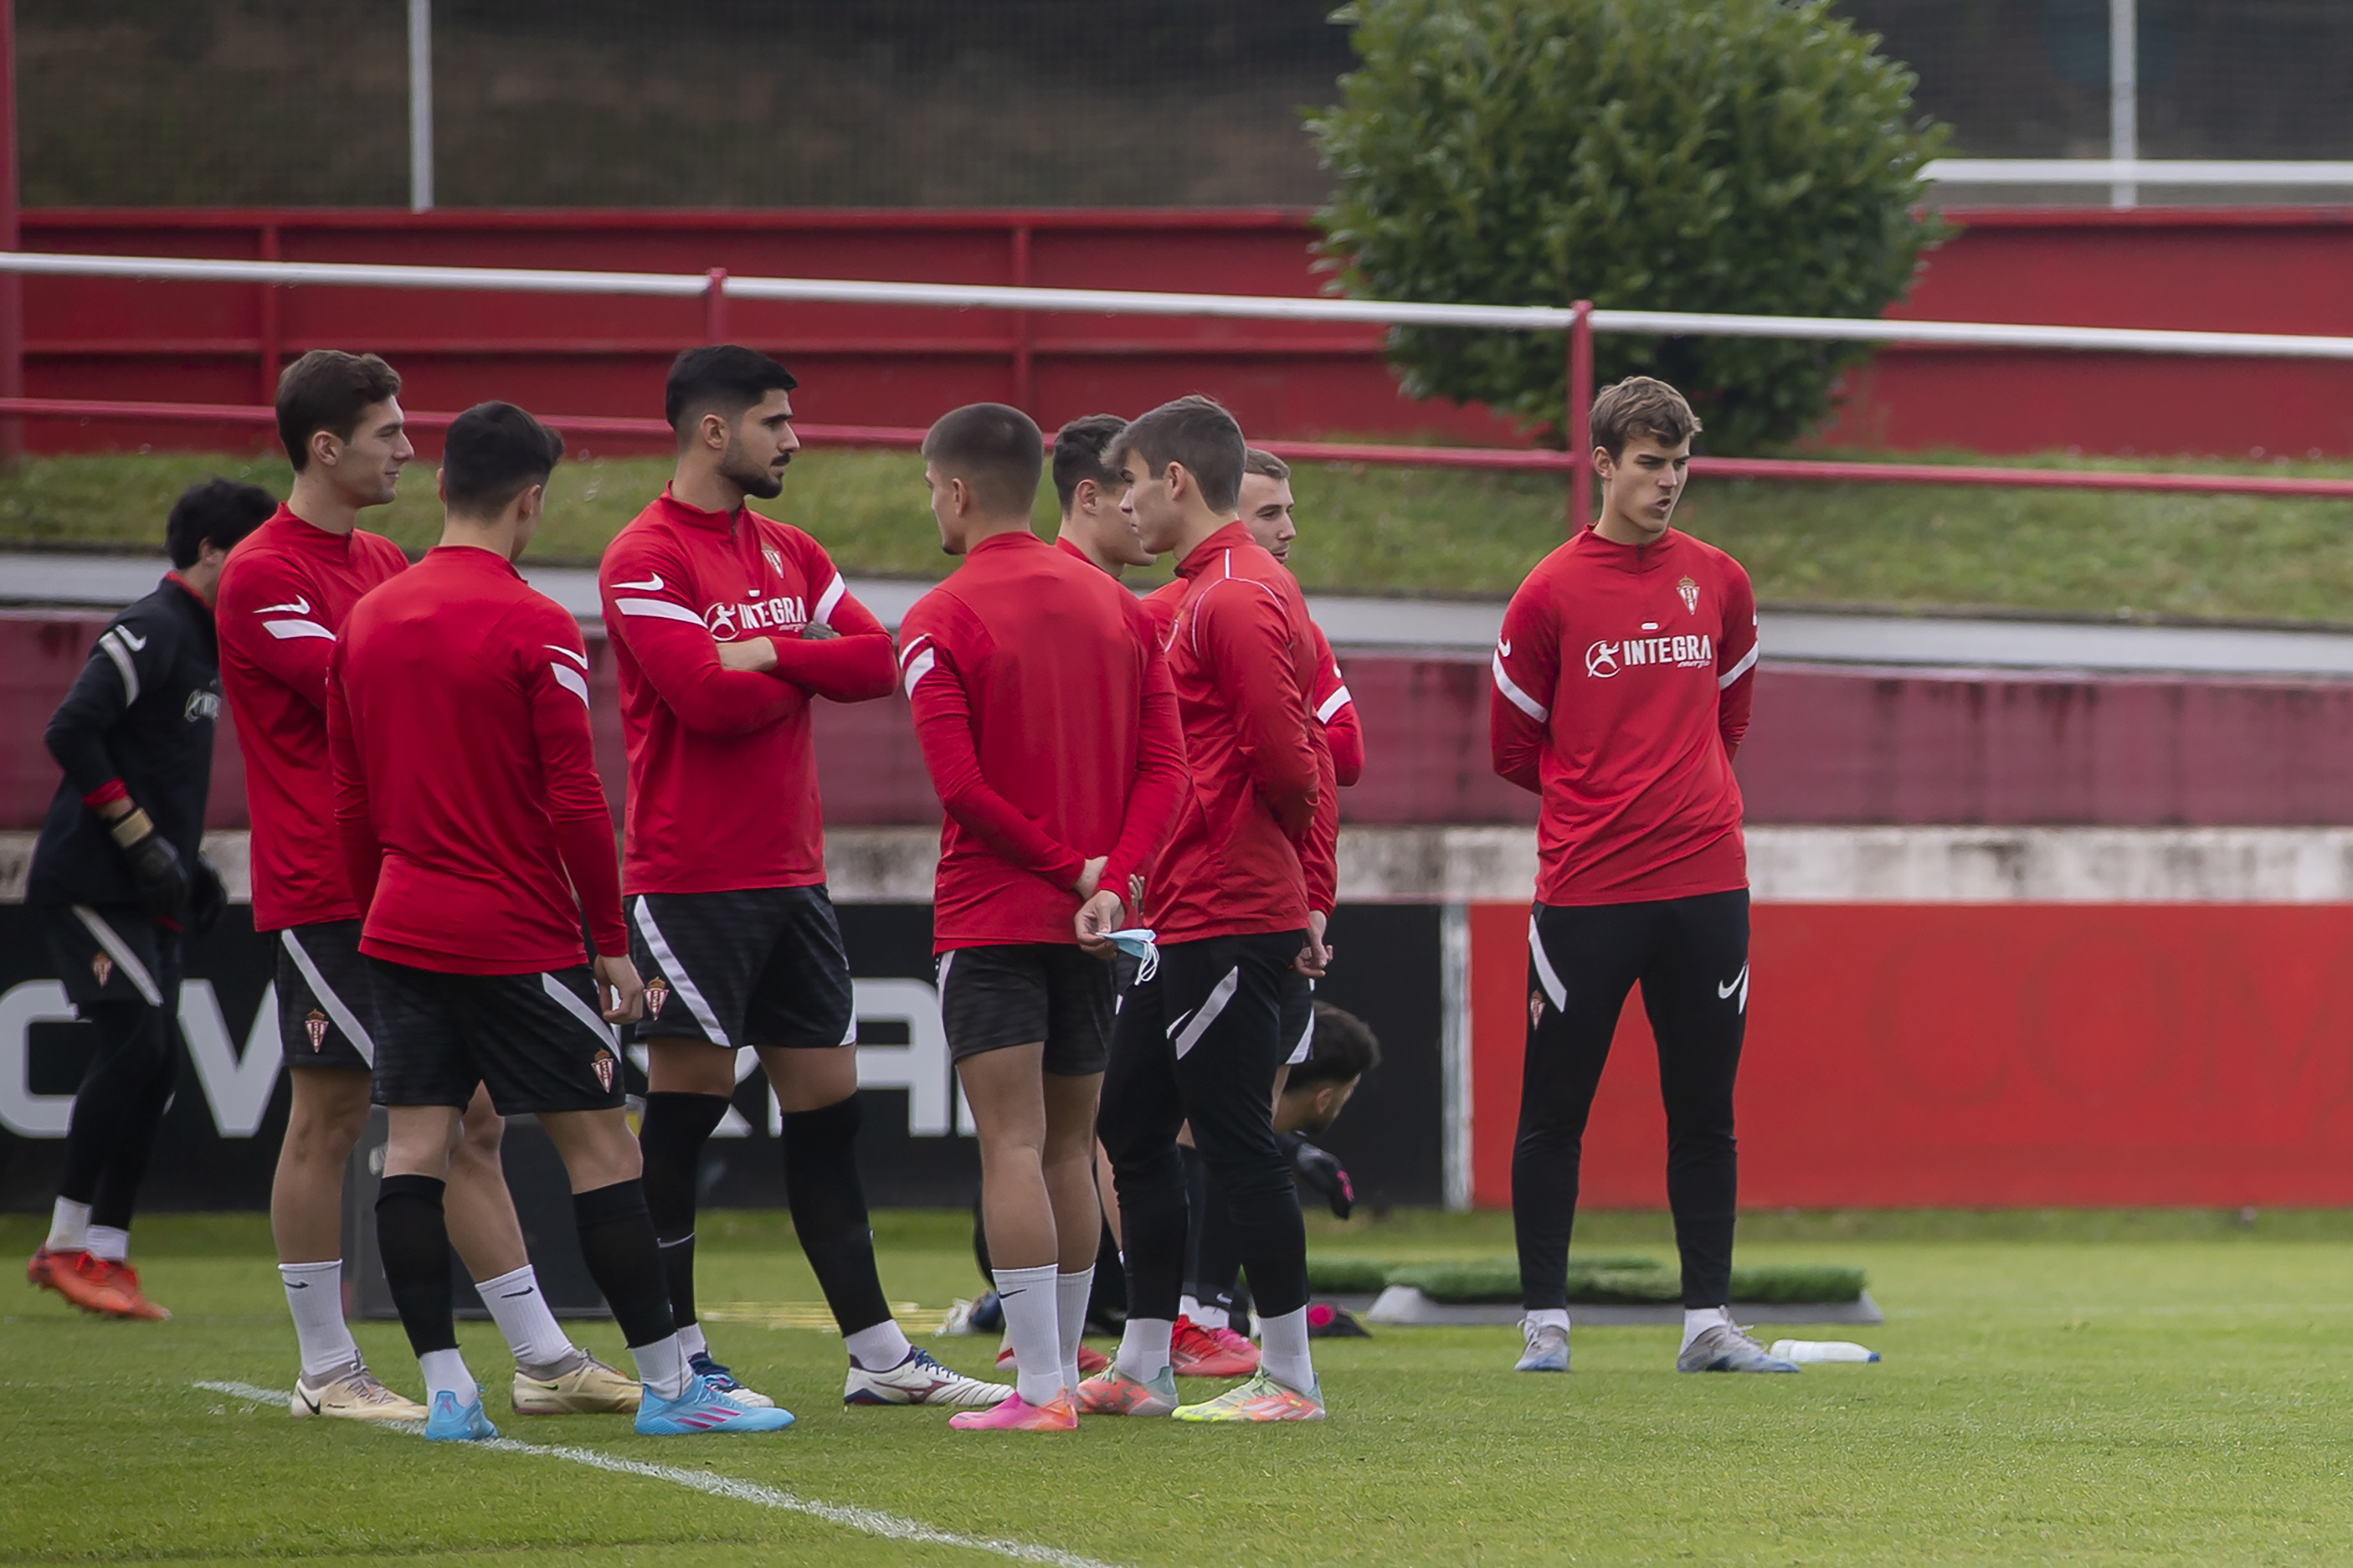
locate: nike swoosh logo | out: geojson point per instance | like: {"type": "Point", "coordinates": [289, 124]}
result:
{"type": "Point", "coordinates": [1723, 993]}
{"type": "Point", "coordinates": [291, 607]}
{"type": "Point", "coordinates": [298, 1285]}
{"type": "Point", "coordinates": [1504, 647]}
{"type": "Point", "coordinates": [651, 585]}
{"type": "Point", "coordinates": [1007, 1295]}
{"type": "Point", "coordinates": [513, 1295]}
{"type": "Point", "coordinates": [307, 1400]}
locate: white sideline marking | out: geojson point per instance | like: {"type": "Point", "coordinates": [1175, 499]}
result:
{"type": "Point", "coordinates": [866, 1520]}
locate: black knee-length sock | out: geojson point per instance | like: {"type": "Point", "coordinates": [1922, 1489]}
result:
{"type": "Point", "coordinates": [828, 1204]}
{"type": "Point", "coordinates": [670, 1138]}
{"type": "Point", "coordinates": [413, 1236]}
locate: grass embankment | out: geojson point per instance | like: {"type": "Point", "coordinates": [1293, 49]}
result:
{"type": "Point", "coordinates": [1442, 532]}
{"type": "Point", "coordinates": [2119, 1388]}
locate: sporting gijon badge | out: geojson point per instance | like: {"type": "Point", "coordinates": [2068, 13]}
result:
{"type": "Point", "coordinates": [604, 1066]}
{"type": "Point", "coordinates": [315, 1026]}
{"type": "Point", "coordinates": [1689, 592]}
{"type": "Point", "coordinates": [657, 992]}
{"type": "Point", "coordinates": [102, 968]}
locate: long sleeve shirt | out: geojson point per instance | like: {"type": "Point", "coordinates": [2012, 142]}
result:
{"type": "Point", "coordinates": [473, 825]}
{"type": "Point", "coordinates": [1047, 722]}
{"type": "Point", "coordinates": [138, 726]}
{"type": "Point", "coordinates": [1241, 652]}
{"type": "Point", "coordinates": [723, 763]}
{"type": "Point", "coordinates": [1624, 679]}
{"type": "Point", "coordinates": [283, 598]}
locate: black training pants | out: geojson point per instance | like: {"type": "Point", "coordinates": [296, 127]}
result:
{"type": "Point", "coordinates": [1691, 956]}
{"type": "Point", "coordinates": [1200, 1042]}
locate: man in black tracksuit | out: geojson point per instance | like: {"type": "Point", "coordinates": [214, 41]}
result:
{"type": "Point", "coordinates": [117, 878]}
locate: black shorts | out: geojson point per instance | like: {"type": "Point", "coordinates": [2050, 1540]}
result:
{"type": "Point", "coordinates": [535, 1040]}
{"type": "Point", "coordinates": [112, 952]}
{"type": "Point", "coordinates": [326, 997]}
{"type": "Point", "coordinates": [1013, 994]}
{"type": "Point", "coordinates": [763, 966]}
{"type": "Point", "coordinates": [1298, 1017]}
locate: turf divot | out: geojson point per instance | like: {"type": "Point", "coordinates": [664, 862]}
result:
{"type": "Point", "coordinates": [866, 1522]}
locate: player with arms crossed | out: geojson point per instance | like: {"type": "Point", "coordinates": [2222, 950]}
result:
{"type": "Point", "coordinates": [118, 880]}
{"type": "Point", "coordinates": [1049, 726]}
{"type": "Point", "coordinates": [1200, 1041]}
{"type": "Point", "coordinates": [1624, 679]}
{"type": "Point", "coordinates": [725, 625]}
{"type": "Point", "coordinates": [283, 598]}
{"type": "Point", "coordinates": [477, 842]}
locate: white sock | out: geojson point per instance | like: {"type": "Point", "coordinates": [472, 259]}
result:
{"type": "Point", "coordinates": [1143, 1347]}
{"type": "Point", "coordinates": [523, 1316]}
{"type": "Point", "coordinates": [1283, 1351]}
{"type": "Point", "coordinates": [661, 1366]}
{"type": "Point", "coordinates": [691, 1341]}
{"type": "Point", "coordinates": [1548, 1318]}
{"type": "Point", "coordinates": [110, 1242]}
{"type": "Point", "coordinates": [879, 1348]}
{"type": "Point", "coordinates": [68, 1226]}
{"type": "Point", "coordinates": [1698, 1320]}
{"type": "Point", "coordinates": [1071, 1292]}
{"type": "Point", "coordinates": [1211, 1316]}
{"type": "Point", "coordinates": [445, 1373]}
{"type": "Point", "coordinates": [314, 1294]}
{"type": "Point", "coordinates": [1189, 1307]}
{"type": "Point", "coordinates": [1032, 1318]}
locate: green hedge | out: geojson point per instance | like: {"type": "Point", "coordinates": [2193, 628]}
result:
{"type": "Point", "coordinates": [1592, 1281]}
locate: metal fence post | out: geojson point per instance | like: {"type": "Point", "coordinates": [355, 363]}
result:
{"type": "Point", "coordinates": [714, 307]}
{"type": "Point", "coordinates": [2124, 95]}
{"type": "Point", "coordinates": [420, 105]}
{"type": "Point", "coordinates": [1580, 416]}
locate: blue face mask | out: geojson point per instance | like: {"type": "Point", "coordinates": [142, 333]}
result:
{"type": "Point", "coordinates": [1136, 942]}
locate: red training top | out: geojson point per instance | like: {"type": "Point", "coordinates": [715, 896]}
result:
{"type": "Point", "coordinates": [1624, 679]}
{"type": "Point", "coordinates": [1242, 654]}
{"type": "Point", "coordinates": [1335, 710]}
{"type": "Point", "coordinates": [723, 770]}
{"type": "Point", "coordinates": [284, 594]}
{"type": "Point", "coordinates": [1049, 724]}
{"type": "Point", "coordinates": [1339, 759]}
{"type": "Point", "coordinates": [466, 784]}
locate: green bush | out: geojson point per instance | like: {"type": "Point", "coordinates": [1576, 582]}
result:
{"type": "Point", "coordinates": [1722, 155]}
{"type": "Point", "coordinates": [1346, 1275]}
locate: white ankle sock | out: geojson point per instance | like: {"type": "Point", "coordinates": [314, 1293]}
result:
{"type": "Point", "coordinates": [1211, 1316]}
{"type": "Point", "coordinates": [68, 1226]}
{"type": "Point", "coordinates": [1032, 1319]}
{"type": "Point", "coordinates": [1283, 1351]}
{"type": "Point", "coordinates": [691, 1341]}
{"type": "Point", "coordinates": [1070, 1294]}
{"type": "Point", "coordinates": [445, 1373]}
{"type": "Point", "coordinates": [523, 1316]}
{"type": "Point", "coordinates": [879, 1348]}
{"type": "Point", "coordinates": [1548, 1318]}
{"type": "Point", "coordinates": [1143, 1347]}
{"type": "Point", "coordinates": [1697, 1321]}
{"type": "Point", "coordinates": [314, 1294]}
{"type": "Point", "coordinates": [110, 1242]}
{"type": "Point", "coordinates": [661, 1366]}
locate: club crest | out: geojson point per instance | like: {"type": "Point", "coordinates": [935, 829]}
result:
{"type": "Point", "coordinates": [315, 1026]}
{"type": "Point", "coordinates": [1535, 1008]}
{"type": "Point", "coordinates": [1690, 590]}
{"type": "Point", "coordinates": [775, 558]}
{"type": "Point", "coordinates": [657, 992]}
{"type": "Point", "coordinates": [604, 1066]}
{"type": "Point", "coordinates": [102, 968]}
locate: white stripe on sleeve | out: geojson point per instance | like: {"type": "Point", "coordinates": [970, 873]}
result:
{"type": "Point", "coordinates": [828, 599]}
{"type": "Point", "coordinates": [1333, 705]}
{"type": "Point", "coordinates": [283, 629]}
{"type": "Point", "coordinates": [1748, 662]}
{"type": "Point", "coordinates": [658, 610]}
{"type": "Point", "coordinates": [1519, 699]}
{"type": "Point", "coordinates": [571, 680]}
{"type": "Point", "coordinates": [917, 668]}
{"type": "Point", "coordinates": [122, 666]}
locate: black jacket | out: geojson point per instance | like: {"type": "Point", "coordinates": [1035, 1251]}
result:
{"type": "Point", "coordinates": [143, 711]}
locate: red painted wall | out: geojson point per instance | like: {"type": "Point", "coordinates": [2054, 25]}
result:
{"type": "Point", "coordinates": [1984, 1055]}
{"type": "Point", "coordinates": [1827, 746]}
{"type": "Point", "coordinates": [2275, 271]}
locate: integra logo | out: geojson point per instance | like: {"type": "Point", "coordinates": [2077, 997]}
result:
{"type": "Point", "coordinates": [786, 612]}
{"type": "Point", "coordinates": [1604, 660]}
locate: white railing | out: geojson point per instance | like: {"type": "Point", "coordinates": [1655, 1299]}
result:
{"type": "Point", "coordinates": [2187, 171]}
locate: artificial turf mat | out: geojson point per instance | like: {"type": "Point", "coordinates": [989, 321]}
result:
{"type": "Point", "coordinates": [2177, 1395]}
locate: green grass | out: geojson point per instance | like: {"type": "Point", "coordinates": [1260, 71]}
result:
{"type": "Point", "coordinates": [1432, 531]}
{"type": "Point", "coordinates": [2174, 1393]}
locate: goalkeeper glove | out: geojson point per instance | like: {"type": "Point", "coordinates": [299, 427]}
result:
{"type": "Point", "coordinates": [1320, 1171]}
{"type": "Point", "coordinates": [154, 863]}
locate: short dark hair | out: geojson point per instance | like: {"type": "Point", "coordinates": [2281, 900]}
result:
{"type": "Point", "coordinates": [1265, 464]}
{"type": "Point", "coordinates": [722, 378]}
{"type": "Point", "coordinates": [214, 511]}
{"type": "Point", "coordinates": [1197, 432]}
{"type": "Point", "coordinates": [1640, 405]}
{"type": "Point", "coordinates": [1083, 450]}
{"type": "Point", "coordinates": [493, 452]}
{"type": "Point", "coordinates": [327, 389]}
{"type": "Point", "coordinates": [996, 451]}
{"type": "Point", "coordinates": [1344, 1050]}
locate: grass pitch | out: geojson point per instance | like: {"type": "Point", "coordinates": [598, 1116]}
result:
{"type": "Point", "coordinates": [2123, 1390]}
{"type": "Point", "coordinates": [2177, 1395]}
{"type": "Point", "coordinates": [1436, 531]}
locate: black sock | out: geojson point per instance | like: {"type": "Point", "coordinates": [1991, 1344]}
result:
{"type": "Point", "coordinates": [126, 1168]}
{"type": "Point", "coordinates": [130, 1043]}
{"type": "Point", "coordinates": [617, 1240]}
{"type": "Point", "coordinates": [414, 1238]}
{"type": "Point", "coordinates": [670, 1138]}
{"type": "Point", "coordinates": [1217, 1262]}
{"type": "Point", "coordinates": [828, 1204]}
